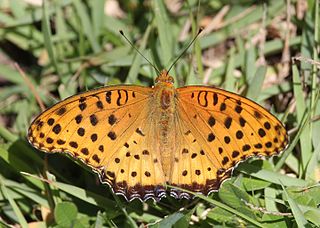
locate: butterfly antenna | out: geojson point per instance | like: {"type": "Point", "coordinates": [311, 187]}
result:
{"type": "Point", "coordinates": [132, 45]}
{"type": "Point", "coordinates": [185, 50]}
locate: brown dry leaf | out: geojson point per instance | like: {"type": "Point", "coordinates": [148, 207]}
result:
{"type": "Point", "coordinates": [46, 213]}
{"type": "Point", "coordinates": [34, 2]}
{"type": "Point", "coordinates": [112, 9]}
{"type": "Point", "coordinates": [217, 20]}
{"type": "Point", "coordinates": [174, 5]}
{"type": "Point", "coordinates": [43, 59]}
{"type": "Point", "coordinates": [185, 31]}
{"type": "Point", "coordinates": [302, 7]}
{"type": "Point", "coordinates": [317, 174]}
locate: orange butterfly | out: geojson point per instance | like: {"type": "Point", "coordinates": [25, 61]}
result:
{"type": "Point", "coordinates": [138, 139]}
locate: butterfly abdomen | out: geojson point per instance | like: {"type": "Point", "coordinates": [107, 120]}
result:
{"type": "Point", "coordinates": [164, 117]}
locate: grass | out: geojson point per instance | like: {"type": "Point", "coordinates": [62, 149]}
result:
{"type": "Point", "coordinates": [65, 47]}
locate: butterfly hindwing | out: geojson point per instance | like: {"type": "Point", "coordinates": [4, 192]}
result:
{"type": "Point", "coordinates": [134, 170]}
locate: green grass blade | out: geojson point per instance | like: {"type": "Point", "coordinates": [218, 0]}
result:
{"type": "Point", "coordinates": [223, 206]}
{"type": "Point", "coordinates": [136, 65]}
{"type": "Point", "coordinates": [306, 149]}
{"type": "Point", "coordinates": [87, 25]}
{"type": "Point", "coordinates": [297, 213]}
{"type": "Point", "coordinates": [256, 83]}
{"type": "Point", "coordinates": [13, 204]}
{"type": "Point", "coordinates": [272, 177]}
{"type": "Point", "coordinates": [47, 37]}
{"type": "Point", "coordinates": [165, 37]}
{"type": "Point", "coordinates": [230, 78]}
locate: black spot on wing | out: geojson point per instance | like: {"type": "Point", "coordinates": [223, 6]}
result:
{"type": "Point", "coordinates": [61, 111]}
{"type": "Point", "coordinates": [202, 98]}
{"type": "Point", "coordinates": [121, 101]}
{"type": "Point", "coordinates": [108, 97]}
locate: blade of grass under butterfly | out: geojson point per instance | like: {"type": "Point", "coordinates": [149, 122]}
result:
{"type": "Point", "coordinates": [223, 206]}
{"type": "Point", "coordinates": [7, 135]}
{"type": "Point", "coordinates": [271, 176]}
{"type": "Point", "coordinates": [27, 191]}
{"type": "Point", "coordinates": [13, 204]}
{"type": "Point", "coordinates": [293, 143]}
{"type": "Point", "coordinates": [86, 196]}
{"type": "Point", "coordinates": [269, 195]}
{"type": "Point", "coordinates": [312, 169]}
{"type": "Point", "coordinates": [296, 211]}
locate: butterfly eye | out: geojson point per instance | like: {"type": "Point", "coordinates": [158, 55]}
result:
{"type": "Point", "coordinates": [170, 79]}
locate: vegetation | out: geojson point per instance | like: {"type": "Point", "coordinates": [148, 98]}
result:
{"type": "Point", "coordinates": [265, 50]}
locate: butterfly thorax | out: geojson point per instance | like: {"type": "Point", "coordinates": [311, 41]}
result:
{"type": "Point", "coordinates": [164, 94]}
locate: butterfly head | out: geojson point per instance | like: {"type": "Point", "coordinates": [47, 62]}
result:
{"type": "Point", "coordinates": [164, 78]}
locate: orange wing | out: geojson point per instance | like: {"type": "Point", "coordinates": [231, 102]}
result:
{"type": "Point", "coordinates": [107, 130]}
{"type": "Point", "coordinates": [217, 130]}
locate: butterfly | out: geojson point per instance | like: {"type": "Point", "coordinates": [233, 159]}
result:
{"type": "Point", "coordinates": [139, 139]}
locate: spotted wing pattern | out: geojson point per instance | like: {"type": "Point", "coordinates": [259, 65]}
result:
{"type": "Point", "coordinates": [107, 130]}
{"type": "Point", "coordinates": [217, 130]}
{"type": "Point", "coordinates": [138, 140]}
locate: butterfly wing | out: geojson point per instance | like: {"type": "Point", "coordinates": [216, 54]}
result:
{"type": "Point", "coordinates": [217, 130]}
{"type": "Point", "coordinates": [104, 129]}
